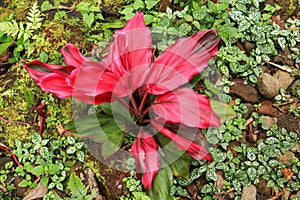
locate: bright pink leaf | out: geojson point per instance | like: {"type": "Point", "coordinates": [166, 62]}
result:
{"type": "Point", "coordinates": [55, 84]}
{"type": "Point", "coordinates": [144, 151]}
{"type": "Point", "coordinates": [184, 59]}
{"type": "Point", "coordinates": [131, 48]}
{"type": "Point", "coordinates": [187, 107]}
{"type": "Point", "coordinates": [194, 149]}
{"type": "Point", "coordinates": [72, 56]}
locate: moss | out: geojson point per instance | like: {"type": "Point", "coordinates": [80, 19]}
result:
{"type": "Point", "coordinates": [15, 106]}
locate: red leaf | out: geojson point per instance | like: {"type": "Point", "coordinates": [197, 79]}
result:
{"type": "Point", "coordinates": [144, 151]}
{"type": "Point", "coordinates": [72, 56]}
{"type": "Point", "coordinates": [186, 58]}
{"type": "Point", "coordinates": [55, 84]}
{"type": "Point", "coordinates": [194, 149]}
{"type": "Point", "coordinates": [187, 107]}
{"type": "Point", "coordinates": [131, 47]}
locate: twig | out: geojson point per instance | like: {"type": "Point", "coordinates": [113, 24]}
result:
{"type": "Point", "coordinates": [16, 122]}
{"type": "Point", "coordinates": [249, 121]}
{"type": "Point", "coordinates": [70, 9]}
{"type": "Point", "coordinates": [276, 196]}
{"type": "Point", "coordinates": [15, 159]}
{"type": "Point", "coordinates": [279, 66]}
{"type": "Point", "coordinates": [276, 106]}
{"type": "Point", "coordinates": [286, 103]}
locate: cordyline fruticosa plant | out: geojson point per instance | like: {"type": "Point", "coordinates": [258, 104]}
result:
{"type": "Point", "coordinates": [153, 90]}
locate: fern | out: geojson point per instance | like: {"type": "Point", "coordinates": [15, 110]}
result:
{"type": "Point", "coordinates": [77, 188]}
{"type": "Point", "coordinates": [26, 29]}
{"type": "Point", "coordinates": [10, 28]}
{"type": "Point", "coordinates": [34, 17]}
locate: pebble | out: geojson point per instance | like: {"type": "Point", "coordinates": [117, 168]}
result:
{"type": "Point", "coordinates": [268, 86]}
{"type": "Point", "coordinates": [284, 78]}
{"type": "Point", "coordinates": [249, 193]}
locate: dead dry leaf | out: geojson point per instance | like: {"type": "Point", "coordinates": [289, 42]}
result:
{"type": "Point", "coordinates": [287, 173]}
{"type": "Point", "coordinates": [36, 193]}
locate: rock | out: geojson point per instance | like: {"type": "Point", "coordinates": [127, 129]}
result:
{"type": "Point", "coordinates": [285, 194]}
{"type": "Point", "coordinates": [240, 46]}
{"type": "Point", "coordinates": [268, 86]}
{"type": "Point", "coordinates": [286, 158]}
{"type": "Point", "coordinates": [269, 121]}
{"type": "Point", "coordinates": [262, 188]}
{"type": "Point", "coordinates": [267, 108]}
{"type": "Point", "coordinates": [284, 78]}
{"type": "Point", "coordinates": [247, 93]}
{"type": "Point", "coordinates": [248, 47]}
{"type": "Point", "coordinates": [249, 193]}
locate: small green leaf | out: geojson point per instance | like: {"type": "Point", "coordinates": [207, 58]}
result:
{"type": "Point", "coordinates": [251, 173]}
{"type": "Point", "coordinates": [4, 46]}
{"type": "Point", "coordinates": [88, 18]}
{"type": "Point", "coordinates": [211, 175]}
{"type": "Point", "coordinates": [44, 181]}
{"type": "Point", "coordinates": [138, 4]}
{"type": "Point", "coordinates": [270, 183]}
{"type": "Point", "coordinates": [53, 169]}
{"type": "Point", "coordinates": [71, 150]}
{"type": "Point", "coordinates": [162, 185]}
{"type": "Point", "coordinates": [38, 170]}
{"type": "Point", "coordinates": [24, 183]}
{"type": "Point", "coordinates": [223, 110]}
{"type": "Point", "coordinates": [206, 189]}
{"type": "Point", "coordinates": [60, 186]}
{"type": "Point", "coordinates": [150, 4]}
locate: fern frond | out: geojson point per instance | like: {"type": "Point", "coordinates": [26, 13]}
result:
{"type": "Point", "coordinates": [76, 187]}
{"type": "Point", "coordinates": [10, 28]}
{"type": "Point", "coordinates": [35, 17]}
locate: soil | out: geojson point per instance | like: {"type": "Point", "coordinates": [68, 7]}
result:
{"type": "Point", "coordinates": [109, 180]}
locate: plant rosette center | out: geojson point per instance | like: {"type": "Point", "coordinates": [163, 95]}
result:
{"type": "Point", "coordinates": [143, 95]}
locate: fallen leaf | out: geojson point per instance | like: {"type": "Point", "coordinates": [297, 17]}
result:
{"type": "Point", "coordinates": [287, 173]}
{"type": "Point", "coordinates": [36, 193]}
{"type": "Point", "coordinates": [60, 129]}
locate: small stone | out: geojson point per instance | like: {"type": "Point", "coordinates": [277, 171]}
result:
{"type": "Point", "coordinates": [248, 47]}
{"type": "Point", "coordinates": [247, 93]}
{"type": "Point", "coordinates": [240, 46]}
{"type": "Point", "coordinates": [249, 193]}
{"type": "Point", "coordinates": [284, 78]}
{"type": "Point", "coordinates": [262, 188]}
{"type": "Point", "coordinates": [286, 158]}
{"type": "Point", "coordinates": [269, 121]}
{"type": "Point", "coordinates": [267, 108]}
{"type": "Point", "coordinates": [268, 86]}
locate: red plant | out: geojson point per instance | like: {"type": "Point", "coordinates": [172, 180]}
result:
{"type": "Point", "coordinates": [153, 90]}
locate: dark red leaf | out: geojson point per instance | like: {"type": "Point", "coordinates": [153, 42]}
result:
{"type": "Point", "coordinates": [144, 151]}
{"type": "Point", "coordinates": [182, 60]}
{"type": "Point", "coordinates": [187, 107]}
{"type": "Point", "coordinates": [194, 149]}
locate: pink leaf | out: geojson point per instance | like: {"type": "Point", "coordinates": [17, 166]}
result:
{"type": "Point", "coordinates": [72, 56]}
{"type": "Point", "coordinates": [194, 149]}
{"type": "Point", "coordinates": [184, 59]}
{"type": "Point", "coordinates": [55, 84]}
{"type": "Point", "coordinates": [187, 107]}
{"type": "Point", "coordinates": [144, 151]}
{"type": "Point", "coordinates": [131, 47]}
